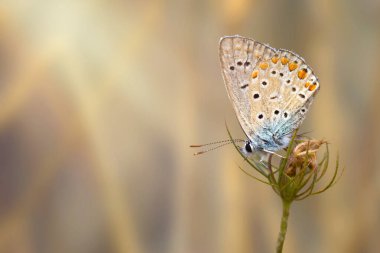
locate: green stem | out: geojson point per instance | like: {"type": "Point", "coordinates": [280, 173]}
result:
{"type": "Point", "coordinates": [284, 225]}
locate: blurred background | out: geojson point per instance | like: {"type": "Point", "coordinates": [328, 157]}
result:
{"type": "Point", "coordinates": [100, 100]}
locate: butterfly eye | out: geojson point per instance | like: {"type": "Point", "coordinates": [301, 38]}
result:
{"type": "Point", "coordinates": [248, 147]}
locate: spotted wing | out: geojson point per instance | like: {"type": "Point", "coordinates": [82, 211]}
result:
{"type": "Point", "coordinates": [239, 57]}
{"type": "Point", "coordinates": [271, 90]}
{"type": "Point", "coordinates": [297, 87]}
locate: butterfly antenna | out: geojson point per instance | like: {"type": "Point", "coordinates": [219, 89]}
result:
{"type": "Point", "coordinates": [210, 149]}
{"type": "Point", "coordinates": [221, 144]}
{"type": "Point", "coordinates": [216, 142]}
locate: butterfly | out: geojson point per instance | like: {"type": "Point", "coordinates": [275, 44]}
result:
{"type": "Point", "coordinates": [270, 89]}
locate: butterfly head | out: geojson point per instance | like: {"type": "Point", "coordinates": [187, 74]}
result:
{"type": "Point", "coordinates": [248, 147]}
{"type": "Point", "coordinates": [266, 142]}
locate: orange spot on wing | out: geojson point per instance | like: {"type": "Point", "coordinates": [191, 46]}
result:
{"type": "Point", "coordinates": [284, 60]}
{"type": "Point", "coordinates": [312, 87]}
{"type": "Point", "coordinates": [275, 59]}
{"type": "Point", "coordinates": [307, 84]}
{"type": "Point", "coordinates": [264, 65]}
{"type": "Point", "coordinates": [292, 66]}
{"type": "Point", "coordinates": [254, 74]}
{"type": "Point", "coordinates": [302, 73]}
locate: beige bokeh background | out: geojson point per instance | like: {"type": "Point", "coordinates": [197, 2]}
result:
{"type": "Point", "coordinates": [99, 101]}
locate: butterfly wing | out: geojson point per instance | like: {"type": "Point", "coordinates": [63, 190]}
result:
{"type": "Point", "coordinates": [238, 57]}
{"type": "Point", "coordinates": [298, 86]}
{"type": "Point", "coordinates": [271, 90]}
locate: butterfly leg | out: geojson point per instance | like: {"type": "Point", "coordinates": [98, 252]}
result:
{"type": "Point", "coordinates": [273, 153]}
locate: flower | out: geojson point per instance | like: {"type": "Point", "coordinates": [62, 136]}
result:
{"type": "Point", "coordinates": [304, 152]}
{"type": "Point", "coordinates": [296, 175]}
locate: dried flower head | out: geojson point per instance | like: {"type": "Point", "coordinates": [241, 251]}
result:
{"type": "Point", "coordinates": [295, 176]}
{"type": "Point", "coordinates": [304, 152]}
